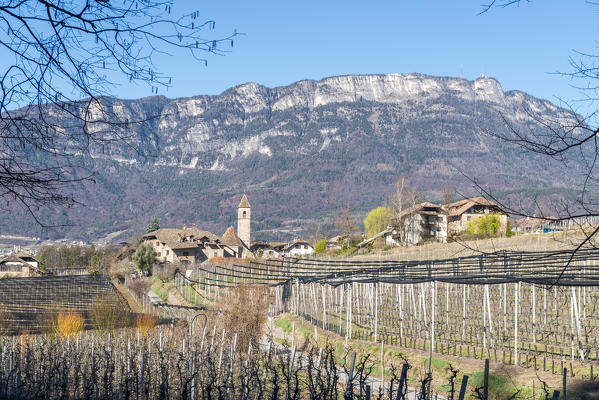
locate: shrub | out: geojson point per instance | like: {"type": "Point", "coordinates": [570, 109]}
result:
{"type": "Point", "coordinates": [244, 312]}
{"type": "Point", "coordinates": [145, 323]}
{"type": "Point", "coordinates": [107, 313]}
{"type": "Point", "coordinates": [320, 247]}
{"type": "Point", "coordinates": [69, 323]}
{"type": "Point", "coordinates": [485, 225]}
{"type": "Point", "coordinates": [139, 286]}
{"type": "Point", "coordinates": [508, 230]}
{"type": "Point", "coordinates": [145, 257]}
{"type": "Point", "coordinates": [121, 269]}
{"type": "Point", "coordinates": [165, 272]}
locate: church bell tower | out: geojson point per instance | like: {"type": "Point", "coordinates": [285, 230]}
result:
{"type": "Point", "coordinates": [244, 212]}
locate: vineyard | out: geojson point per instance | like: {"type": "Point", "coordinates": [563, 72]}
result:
{"type": "Point", "coordinates": [167, 363]}
{"type": "Point", "coordinates": [535, 310]}
{"type": "Point", "coordinates": [24, 301]}
{"type": "Point", "coordinates": [531, 309]}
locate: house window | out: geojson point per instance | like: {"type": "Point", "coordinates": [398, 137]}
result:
{"type": "Point", "coordinates": [215, 253]}
{"type": "Point", "coordinates": [167, 252]}
{"type": "Point", "coordinates": [157, 243]}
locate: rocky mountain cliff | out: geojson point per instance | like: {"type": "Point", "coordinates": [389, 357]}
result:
{"type": "Point", "coordinates": [302, 151]}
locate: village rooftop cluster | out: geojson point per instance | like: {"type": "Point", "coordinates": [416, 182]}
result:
{"type": "Point", "coordinates": [418, 224]}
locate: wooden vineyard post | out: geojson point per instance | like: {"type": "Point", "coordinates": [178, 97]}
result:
{"type": "Point", "coordinates": [350, 305]}
{"type": "Point", "coordinates": [516, 293]}
{"type": "Point", "coordinates": [534, 316]}
{"type": "Point", "coordinates": [504, 310]}
{"type": "Point", "coordinates": [433, 312]}
{"type": "Point", "coordinates": [376, 311]}
{"type": "Point", "coordinates": [350, 377]}
{"type": "Point", "coordinates": [400, 295]}
{"type": "Point", "coordinates": [324, 308]}
{"type": "Point", "coordinates": [484, 323]}
{"type": "Point", "coordinates": [464, 313]}
{"type": "Point", "coordinates": [576, 308]}
{"type": "Point", "coordinates": [383, 367]}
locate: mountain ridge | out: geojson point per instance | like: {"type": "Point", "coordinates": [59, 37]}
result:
{"type": "Point", "coordinates": [304, 150]}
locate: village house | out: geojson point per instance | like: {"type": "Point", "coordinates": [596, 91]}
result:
{"type": "Point", "coordinates": [186, 246]}
{"type": "Point", "coordinates": [431, 222]}
{"type": "Point", "coordinates": [461, 213]}
{"type": "Point", "coordinates": [386, 235]}
{"type": "Point", "coordinates": [298, 248]}
{"type": "Point", "coordinates": [419, 223]}
{"type": "Point", "coordinates": [268, 249]}
{"type": "Point", "coordinates": [192, 245]}
{"type": "Point", "coordinates": [19, 265]}
{"type": "Point", "coordinates": [335, 243]}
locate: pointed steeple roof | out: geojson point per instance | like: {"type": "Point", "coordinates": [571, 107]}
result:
{"type": "Point", "coordinates": [230, 238]}
{"type": "Point", "coordinates": [244, 203]}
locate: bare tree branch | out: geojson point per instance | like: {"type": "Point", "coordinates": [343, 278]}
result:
{"type": "Point", "coordinates": [68, 56]}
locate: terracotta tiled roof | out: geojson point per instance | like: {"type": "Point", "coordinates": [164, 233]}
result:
{"type": "Point", "coordinates": [460, 207]}
{"type": "Point", "coordinates": [244, 203]}
{"type": "Point", "coordinates": [230, 238]}
{"type": "Point", "coordinates": [172, 236]}
{"type": "Point", "coordinates": [375, 237]}
{"type": "Point", "coordinates": [290, 245]}
{"type": "Point", "coordinates": [272, 245]}
{"type": "Point", "coordinates": [416, 208]}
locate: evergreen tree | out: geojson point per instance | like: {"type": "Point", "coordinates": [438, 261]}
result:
{"type": "Point", "coordinates": [154, 225]}
{"type": "Point", "coordinates": [145, 258]}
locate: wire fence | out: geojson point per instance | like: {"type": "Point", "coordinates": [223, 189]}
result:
{"type": "Point", "coordinates": [521, 308]}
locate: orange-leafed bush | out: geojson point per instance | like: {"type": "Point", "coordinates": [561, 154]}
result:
{"type": "Point", "coordinates": [145, 322]}
{"type": "Point", "coordinates": [69, 323]}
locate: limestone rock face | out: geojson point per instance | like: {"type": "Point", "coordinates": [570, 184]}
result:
{"type": "Point", "coordinates": [213, 132]}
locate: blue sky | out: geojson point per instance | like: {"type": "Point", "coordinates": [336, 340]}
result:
{"type": "Point", "coordinates": [521, 46]}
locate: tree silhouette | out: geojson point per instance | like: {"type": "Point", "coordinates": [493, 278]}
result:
{"type": "Point", "coordinates": [62, 58]}
{"type": "Point", "coordinates": [570, 139]}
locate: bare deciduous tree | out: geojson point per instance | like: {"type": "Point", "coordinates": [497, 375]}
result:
{"type": "Point", "coordinates": [61, 59]}
{"type": "Point", "coordinates": [448, 195]}
{"type": "Point", "coordinates": [569, 139]}
{"type": "Point", "coordinates": [401, 199]}
{"type": "Point", "coordinates": [345, 223]}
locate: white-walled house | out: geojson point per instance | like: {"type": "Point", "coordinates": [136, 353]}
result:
{"type": "Point", "coordinates": [298, 248]}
